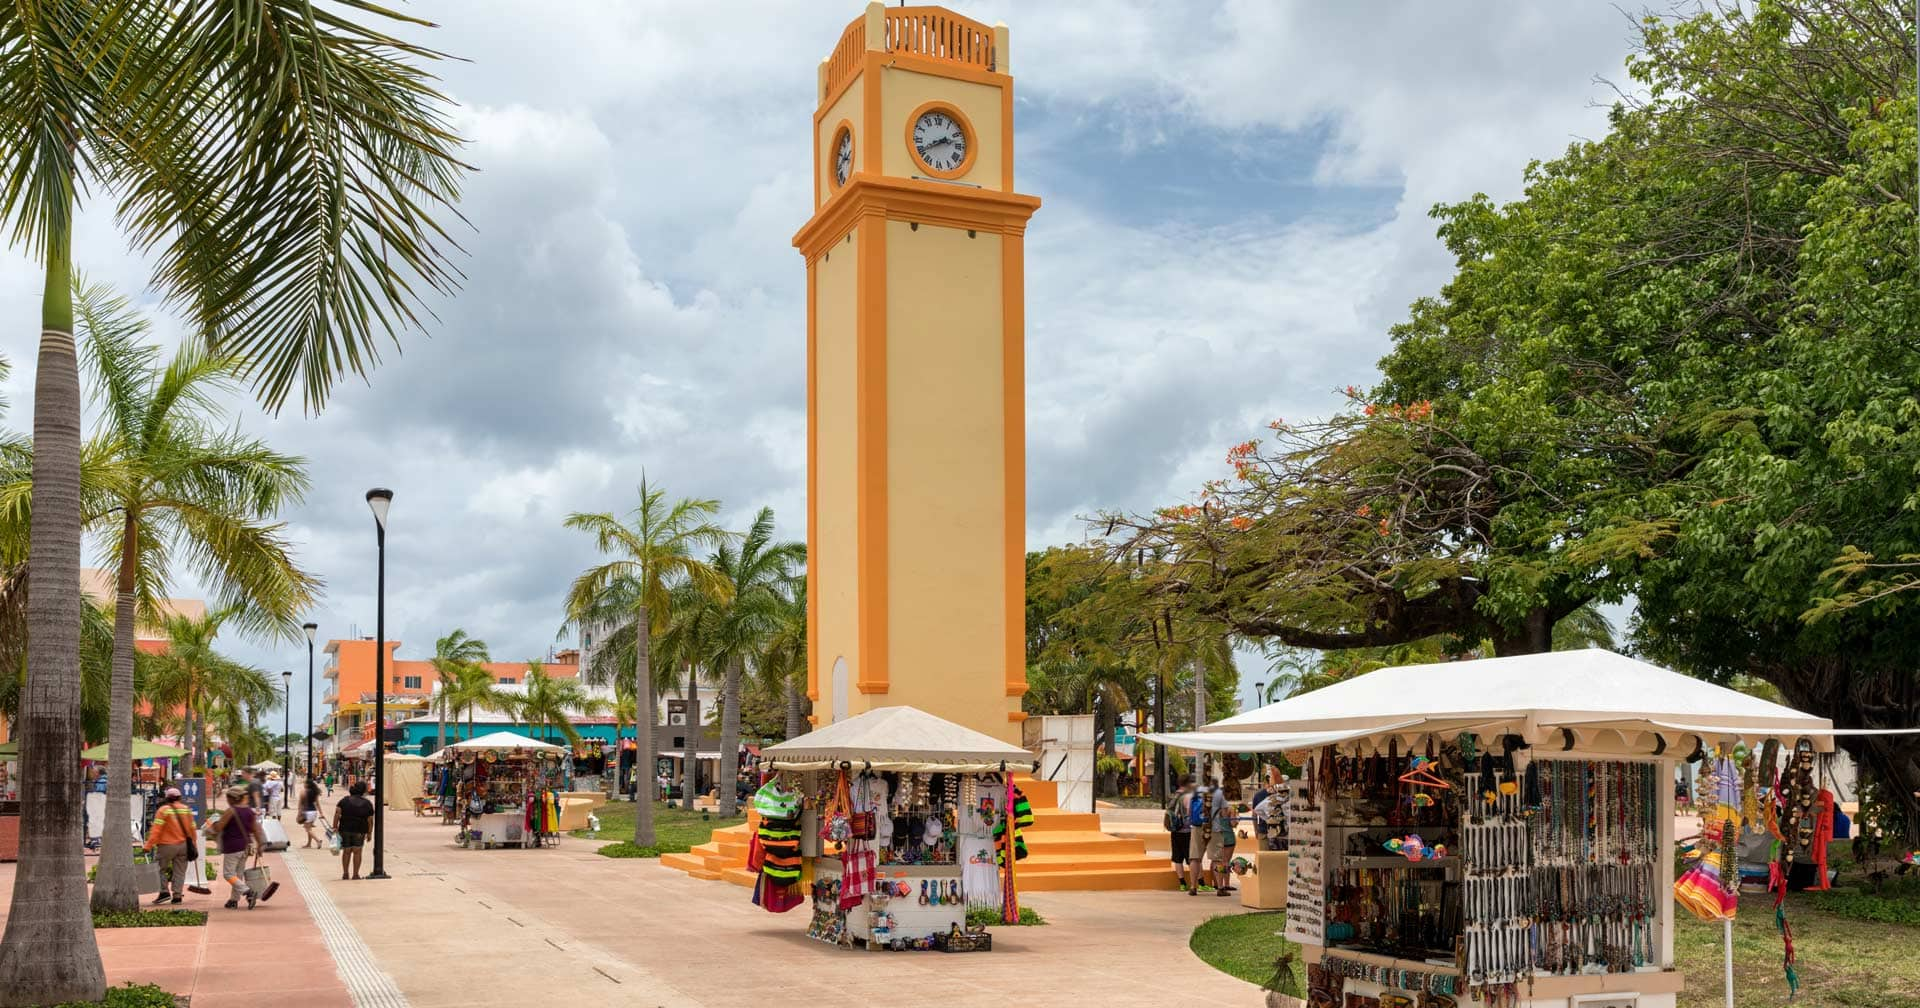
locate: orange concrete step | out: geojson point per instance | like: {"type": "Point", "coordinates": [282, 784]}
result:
{"type": "Point", "coordinates": [1083, 842]}
{"type": "Point", "coordinates": [735, 850]}
{"type": "Point", "coordinates": [704, 874]}
{"type": "Point", "coordinates": [1055, 819]}
{"type": "Point", "coordinates": [1160, 877]}
{"type": "Point", "coordinates": [740, 877]}
{"type": "Point", "coordinates": [688, 863]}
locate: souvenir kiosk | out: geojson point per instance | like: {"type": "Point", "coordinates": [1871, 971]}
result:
{"type": "Point", "coordinates": [505, 788]}
{"type": "Point", "coordinates": [1497, 830]}
{"type": "Point", "coordinates": [889, 826]}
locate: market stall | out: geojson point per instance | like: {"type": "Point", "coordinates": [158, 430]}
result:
{"type": "Point", "coordinates": [506, 788]}
{"type": "Point", "coordinates": [890, 825]}
{"type": "Point", "coordinates": [1501, 829]}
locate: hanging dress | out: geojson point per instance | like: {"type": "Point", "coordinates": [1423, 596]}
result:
{"type": "Point", "coordinates": [979, 876]}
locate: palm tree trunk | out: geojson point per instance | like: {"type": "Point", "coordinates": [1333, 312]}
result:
{"type": "Point", "coordinates": [796, 710]}
{"type": "Point", "coordinates": [48, 955]}
{"type": "Point", "coordinates": [730, 736]}
{"type": "Point", "coordinates": [114, 890]}
{"type": "Point", "coordinates": [688, 772]}
{"type": "Point", "coordinates": [643, 792]}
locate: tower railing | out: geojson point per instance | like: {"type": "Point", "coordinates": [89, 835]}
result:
{"type": "Point", "coordinates": [927, 32]}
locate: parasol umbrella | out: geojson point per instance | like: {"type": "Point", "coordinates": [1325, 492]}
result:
{"type": "Point", "coordinates": [142, 749]}
{"type": "Point", "coordinates": [11, 748]}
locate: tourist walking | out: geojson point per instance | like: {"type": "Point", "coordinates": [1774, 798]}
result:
{"type": "Point", "coordinates": [1226, 834]}
{"type": "Point", "coordinates": [310, 812]}
{"type": "Point", "coordinates": [276, 792]}
{"type": "Point", "coordinates": [1213, 824]}
{"type": "Point", "coordinates": [239, 830]}
{"type": "Point", "coordinates": [1179, 824]}
{"type": "Point", "coordinates": [170, 840]}
{"type": "Point", "coordinates": [353, 820]}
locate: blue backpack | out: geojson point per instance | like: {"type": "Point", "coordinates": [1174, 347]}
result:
{"type": "Point", "coordinates": [1197, 810]}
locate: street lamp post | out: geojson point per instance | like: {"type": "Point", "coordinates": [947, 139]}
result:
{"type": "Point", "coordinates": [310, 628]}
{"type": "Point", "coordinates": [286, 738]}
{"type": "Point", "coordinates": [379, 499]}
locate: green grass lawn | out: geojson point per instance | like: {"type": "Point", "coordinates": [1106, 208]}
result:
{"type": "Point", "coordinates": [676, 828]}
{"type": "Point", "coordinates": [1840, 961]}
{"type": "Point", "coordinates": [1245, 945]}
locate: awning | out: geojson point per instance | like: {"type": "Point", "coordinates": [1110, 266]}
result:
{"type": "Point", "coordinates": [1588, 692]}
{"type": "Point", "coordinates": [1265, 742]}
{"type": "Point", "coordinates": [682, 754]}
{"type": "Point", "coordinates": [901, 739]}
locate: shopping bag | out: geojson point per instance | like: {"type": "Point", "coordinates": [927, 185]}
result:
{"type": "Point", "coordinates": [257, 877]}
{"type": "Point", "coordinates": [146, 873]}
{"type": "Point", "coordinates": [333, 842]}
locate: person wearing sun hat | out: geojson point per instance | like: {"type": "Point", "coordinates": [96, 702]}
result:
{"type": "Point", "coordinates": [239, 830]}
{"type": "Point", "coordinates": [171, 842]}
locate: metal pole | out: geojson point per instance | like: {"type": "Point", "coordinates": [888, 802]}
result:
{"type": "Point", "coordinates": [1727, 935]}
{"type": "Point", "coordinates": [380, 711]}
{"type": "Point", "coordinates": [310, 628]}
{"type": "Point", "coordinates": [286, 738]}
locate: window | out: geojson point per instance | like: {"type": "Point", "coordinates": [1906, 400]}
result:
{"type": "Point", "coordinates": [507, 680]}
{"type": "Point", "coordinates": [412, 682]}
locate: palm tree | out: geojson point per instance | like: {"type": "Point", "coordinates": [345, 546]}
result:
{"type": "Point", "coordinates": [210, 689]}
{"type": "Point", "coordinates": [689, 644]}
{"type": "Point", "coordinates": [782, 667]}
{"type": "Point", "coordinates": [451, 654]}
{"type": "Point", "coordinates": [474, 689]}
{"type": "Point", "coordinates": [653, 551]}
{"type": "Point", "coordinates": [760, 572]}
{"type": "Point", "coordinates": [187, 487]}
{"type": "Point", "coordinates": [550, 703]}
{"type": "Point", "coordinates": [613, 664]}
{"type": "Point", "coordinates": [282, 165]}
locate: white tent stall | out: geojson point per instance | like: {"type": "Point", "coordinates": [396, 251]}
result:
{"type": "Point", "coordinates": [1457, 824]}
{"type": "Point", "coordinates": [928, 794]}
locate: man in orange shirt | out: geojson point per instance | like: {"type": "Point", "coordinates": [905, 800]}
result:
{"type": "Point", "coordinates": [171, 838]}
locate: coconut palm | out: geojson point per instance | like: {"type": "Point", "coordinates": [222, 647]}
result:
{"type": "Point", "coordinates": [282, 167]}
{"type": "Point", "coordinates": [613, 664]}
{"type": "Point", "coordinates": [474, 689]}
{"type": "Point", "coordinates": [188, 490]}
{"type": "Point", "coordinates": [550, 703]}
{"type": "Point", "coordinates": [451, 654]}
{"type": "Point", "coordinates": [760, 571]}
{"type": "Point", "coordinates": [652, 551]}
{"type": "Point", "coordinates": [689, 645]}
{"type": "Point", "coordinates": [782, 668]}
{"type": "Point", "coordinates": [208, 688]}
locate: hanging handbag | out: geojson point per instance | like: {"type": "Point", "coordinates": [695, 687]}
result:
{"type": "Point", "coordinates": [835, 822]}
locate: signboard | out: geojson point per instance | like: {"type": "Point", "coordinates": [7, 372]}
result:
{"type": "Point", "coordinates": [1306, 867]}
{"type": "Point", "coordinates": [676, 712]}
{"type": "Point", "coordinates": [1123, 736]}
{"type": "Point", "coordinates": [193, 790]}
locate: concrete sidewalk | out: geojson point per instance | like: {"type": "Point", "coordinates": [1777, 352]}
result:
{"type": "Point", "coordinates": [271, 955]}
{"type": "Point", "coordinates": [499, 928]}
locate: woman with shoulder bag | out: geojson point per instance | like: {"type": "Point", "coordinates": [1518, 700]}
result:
{"type": "Point", "coordinates": [239, 831]}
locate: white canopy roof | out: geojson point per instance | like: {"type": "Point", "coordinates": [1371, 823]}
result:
{"type": "Point", "coordinates": [497, 740]}
{"type": "Point", "coordinates": [1536, 696]}
{"type": "Point", "coordinates": [898, 738]}
{"type": "Point", "coordinates": [266, 765]}
{"type": "Point", "coordinates": [1264, 742]}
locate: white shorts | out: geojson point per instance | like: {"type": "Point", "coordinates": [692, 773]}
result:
{"type": "Point", "coordinates": [309, 816]}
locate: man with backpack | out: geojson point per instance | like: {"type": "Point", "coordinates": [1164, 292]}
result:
{"type": "Point", "coordinates": [1178, 821]}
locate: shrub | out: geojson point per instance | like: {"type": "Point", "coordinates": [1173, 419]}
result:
{"type": "Point", "coordinates": [150, 918]}
{"type": "Point", "coordinates": [626, 849]}
{"type": "Point", "coordinates": [131, 996]}
{"type": "Point", "coordinates": [979, 917]}
{"type": "Point", "coordinates": [1896, 902]}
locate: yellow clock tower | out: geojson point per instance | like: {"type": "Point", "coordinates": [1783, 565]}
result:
{"type": "Point", "coordinates": [916, 451]}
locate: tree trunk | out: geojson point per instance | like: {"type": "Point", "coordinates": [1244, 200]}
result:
{"type": "Point", "coordinates": [1199, 694]}
{"type": "Point", "coordinates": [648, 708]}
{"type": "Point", "coordinates": [113, 887]}
{"type": "Point", "coordinates": [1534, 635]}
{"type": "Point", "coordinates": [48, 955]}
{"type": "Point", "coordinates": [796, 710]}
{"type": "Point", "coordinates": [688, 772]}
{"type": "Point", "coordinates": [730, 738]}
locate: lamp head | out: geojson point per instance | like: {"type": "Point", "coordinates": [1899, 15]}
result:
{"type": "Point", "coordinates": [310, 628]}
{"type": "Point", "coordinates": [379, 499]}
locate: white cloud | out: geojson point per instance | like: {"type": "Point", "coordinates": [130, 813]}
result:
{"type": "Point", "coordinates": [634, 301]}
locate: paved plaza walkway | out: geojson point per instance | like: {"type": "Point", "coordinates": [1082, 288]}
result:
{"type": "Point", "coordinates": [504, 928]}
{"type": "Point", "coordinates": [492, 929]}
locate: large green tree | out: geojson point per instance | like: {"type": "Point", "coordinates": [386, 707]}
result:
{"type": "Point", "coordinates": [189, 493]}
{"type": "Point", "coordinates": [282, 165]}
{"type": "Point", "coordinates": [655, 549]}
{"type": "Point", "coordinates": [760, 572]}
{"type": "Point", "coordinates": [549, 704]}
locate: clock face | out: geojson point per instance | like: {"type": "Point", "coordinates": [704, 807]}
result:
{"type": "Point", "coordinates": [842, 157]}
{"type": "Point", "coordinates": [940, 141]}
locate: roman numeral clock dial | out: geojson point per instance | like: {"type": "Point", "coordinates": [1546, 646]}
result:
{"type": "Point", "coordinates": [842, 157]}
{"type": "Point", "coordinates": [940, 142]}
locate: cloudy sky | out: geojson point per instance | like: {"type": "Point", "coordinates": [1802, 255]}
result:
{"type": "Point", "coordinates": [1235, 211]}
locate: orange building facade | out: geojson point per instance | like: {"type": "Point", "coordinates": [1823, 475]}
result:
{"type": "Point", "coordinates": [352, 688]}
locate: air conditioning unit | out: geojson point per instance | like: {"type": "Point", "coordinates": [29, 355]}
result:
{"type": "Point", "coordinates": [676, 719]}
